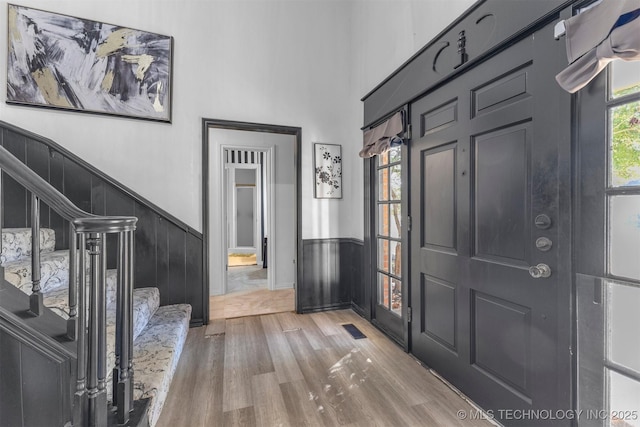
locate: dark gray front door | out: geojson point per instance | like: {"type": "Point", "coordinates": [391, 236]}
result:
{"type": "Point", "coordinates": [490, 199]}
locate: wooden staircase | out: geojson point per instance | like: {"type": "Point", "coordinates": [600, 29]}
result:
{"type": "Point", "coordinates": [110, 349]}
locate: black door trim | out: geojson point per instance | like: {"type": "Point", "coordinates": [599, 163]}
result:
{"type": "Point", "coordinates": [370, 254]}
{"type": "Point", "coordinates": [251, 127]}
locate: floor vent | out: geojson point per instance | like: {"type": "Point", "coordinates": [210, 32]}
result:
{"type": "Point", "coordinates": [354, 331]}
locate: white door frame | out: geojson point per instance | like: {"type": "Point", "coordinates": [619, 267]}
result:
{"type": "Point", "coordinates": [269, 158]}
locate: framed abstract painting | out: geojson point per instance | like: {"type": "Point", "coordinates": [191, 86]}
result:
{"type": "Point", "coordinates": [64, 62]}
{"type": "Point", "coordinates": [327, 160]}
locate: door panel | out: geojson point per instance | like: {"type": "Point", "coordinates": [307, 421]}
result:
{"type": "Point", "coordinates": [439, 192]}
{"type": "Point", "coordinates": [501, 211]}
{"type": "Point", "coordinates": [484, 164]}
{"type": "Point", "coordinates": [501, 339]}
{"type": "Point", "coordinates": [439, 314]}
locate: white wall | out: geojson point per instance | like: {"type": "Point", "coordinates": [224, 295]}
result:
{"type": "Point", "coordinates": [395, 30]}
{"type": "Point", "coordinates": [279, 62]}
{"type": "Point", "coordinates": [300, 63]}
{"type": "Point", "coordinates": [284, 205]}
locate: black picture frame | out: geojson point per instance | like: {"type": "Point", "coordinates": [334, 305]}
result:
{"type": "Point", "coordinates": [68, 63]}
{"type": "Point", "coordinates": [327, 162]}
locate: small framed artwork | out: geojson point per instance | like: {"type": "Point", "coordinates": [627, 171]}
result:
{"type": "Point", "coordinates": [327, 160]}
{"type": "Point", "coordinates": [63, 62]}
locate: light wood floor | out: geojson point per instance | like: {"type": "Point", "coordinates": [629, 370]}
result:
{"type": "Point", "coordinates": [248, 303]}
{"type": "Point", "coordinates": [304, 370]}
{"type": "Point", "coordinates": [246, 278]}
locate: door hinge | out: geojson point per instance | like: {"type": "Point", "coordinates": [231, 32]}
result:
{"type": "Point", "coordinates": [409, 129]}
{"type": "Point", "coordinates": [409, 314]}
{"type": "Point", "coordinates": [409, 223]}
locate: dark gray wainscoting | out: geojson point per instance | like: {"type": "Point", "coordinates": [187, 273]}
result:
{"type": "Point", "coordinates": [36, 371]}
{"type": "Point", "coordinates": [332, 274]}
{"type": "Point", "coordinates": [168, 253]}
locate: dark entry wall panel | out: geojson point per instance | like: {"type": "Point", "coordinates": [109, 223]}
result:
{"type": "Point", "coordinates": [166, 249]}
{"type": "Point", "coordinates": [332, 272]}
{"type": "Point", "coordinates": [115, 203]}
{"type": "Point", "coordinates": [177, 277]}
{"type": "Point", "coordinates": [77, 184]}
{"type": "Point", "coordinates": [37, 156]}
{"type": "Point", "coordinates": [15, 213]}
{"type": "Point", "coordinates": [487, 24]}
{"type": "Point", "coordinates": [35, 382]}
{"type": "Point", "coordinates": [56, 178]}
{"type": "Point", "coordinates": [11, 401]}
{"type": "Point", "coordinates": [146, 246]}
{"type": "Point", "coordinates": [194, 271]}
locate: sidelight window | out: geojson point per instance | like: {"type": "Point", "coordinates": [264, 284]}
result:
{"type": "Point", "coordinates": [623, 190]}
{"type": "Point", "coordinates": [623, 240]}
{"type": "Point", "coordinates": [389, 226]}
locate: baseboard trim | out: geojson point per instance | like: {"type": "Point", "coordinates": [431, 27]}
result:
{"type": "Point", "coordinates": [284, 286]}
{"type": "Point", "coordinates": [359, 310]}
{"type": "Point", "coordinates": [194, 323]}
{"type": "Point", "coordinates": [328, 307]}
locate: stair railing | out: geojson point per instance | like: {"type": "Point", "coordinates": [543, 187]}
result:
{"type": "Point", "coordinates": [87, 294]}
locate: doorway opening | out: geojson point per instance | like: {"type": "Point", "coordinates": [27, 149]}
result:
{"type": "Point", "coordinates": [252, 221]}
{"type": "Point", "coordinates": [248, 185]}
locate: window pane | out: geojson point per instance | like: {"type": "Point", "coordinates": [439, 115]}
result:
{"type": "Point", "coordinates": [383, 220]}
{"type": "Point", "coordinates": [625, 145]}
{"type": "Point", "coordinates": [396, 182]}
{"type": "Point", "coordinates": [396, 296]}
{"type": "Point", "coordinates": [383, 184]}
{"type": "Point", "coordinates": [395, 220]}
{"type": "Point", "coordinates": [625, 78]}
{"type": "Point", "coordinates": [624, 236]}
{"type": "Point", "coordinates": [395, 154]}
{"type": "Point", "coordinates": [383, 159]}
{"type": "Point", "coordinates": [623, 321]}
{"type": "Point", "coordinates": [396, 258]}
{"type": "Point", "coordinates": [383, 255]}
{"type": "Point", "coordinates": [383, 290]}
{"type": "Point", "coordinates": [623, 400]}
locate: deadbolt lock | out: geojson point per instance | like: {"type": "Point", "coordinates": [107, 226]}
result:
{"type": "Point", "coordinates": [542, 221]}
{"type": "Point", "coordinates": [543, 244]}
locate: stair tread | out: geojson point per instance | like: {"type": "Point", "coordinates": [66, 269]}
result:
{"type": "Point", "coordinates": [16, 243]}
{"type": "Point", "coordinates": [145, 302]}
{"type": "Point", "coordinates": [156, 353]}
{"type": "Point", "coordinates": [54, 270]}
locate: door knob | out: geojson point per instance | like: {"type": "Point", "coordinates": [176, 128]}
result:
{"type": "Point", "coordinates": [540, 271]}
